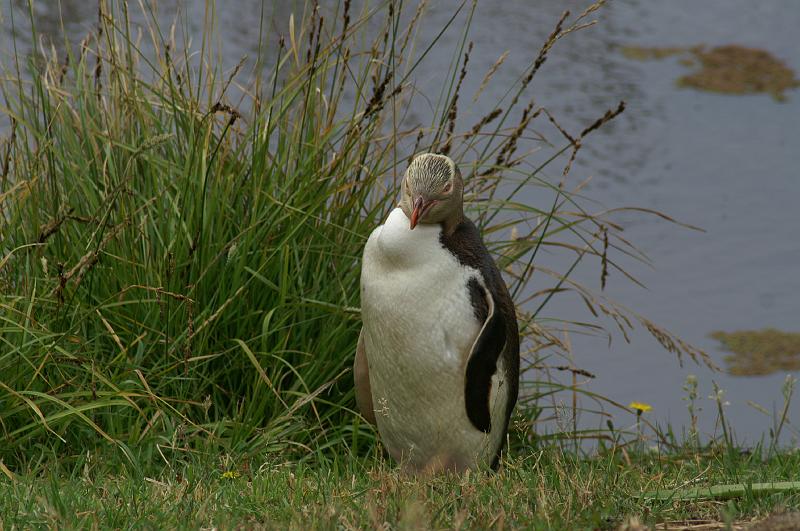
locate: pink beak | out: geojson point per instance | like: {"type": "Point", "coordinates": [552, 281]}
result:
{"type": "Point", "coordinates": [420, 207]}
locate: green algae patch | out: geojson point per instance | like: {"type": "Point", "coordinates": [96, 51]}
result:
{"type": "Point", "coordinates": [760, 352]}
{"type": "Point", "coordinates": [650, 53]}
{"type": "Point", "coordinates": [736, 69]}
{"type": "Point", "coordinates": [729, 69]}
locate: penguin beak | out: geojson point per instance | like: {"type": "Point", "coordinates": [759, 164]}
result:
{"type": "Point", "coordinates": [421, 206]}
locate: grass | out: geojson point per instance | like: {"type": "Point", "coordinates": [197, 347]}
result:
{"type": "Point", "coordinates": [547, 489]}
{"type": "Point", "coordinates": [179, 270]}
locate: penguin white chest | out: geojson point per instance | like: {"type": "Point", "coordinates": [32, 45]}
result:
{"type": "Point", "coordinates": [420, 327]}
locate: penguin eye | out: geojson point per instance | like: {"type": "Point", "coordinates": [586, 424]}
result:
{"type": "Point", "coordinates": [448, 188]}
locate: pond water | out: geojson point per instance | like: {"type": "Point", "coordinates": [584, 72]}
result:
{"type": "Point", "coordinates": [728, 164]}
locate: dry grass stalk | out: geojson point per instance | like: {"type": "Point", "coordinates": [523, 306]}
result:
{"type": "Point", "coordinates": [510, 147]}
{"type": "Point", "coordinates": [492, 70]}
{"type": "Point", "coordinates": [52, 226]}
{"type": "Point", "coordinates": [10, 141]}
{"type": "Point", "coordinates": [542, 56]}
{"type": "Point", "coordinates": [452, 111]}
{"type": "Point", "coordinates": [412, 26]}
{"type": "Point", "coordinates": [604, 259]}
{"type": "Point", "coordinates": [483, 122]}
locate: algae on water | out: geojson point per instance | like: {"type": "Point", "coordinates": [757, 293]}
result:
{"type": "Point", "coordinates": [729, 69]}
{"type": "Point", "coordinates": [759, 352]}
{"type": "Point", "coordinates": [650, 53]}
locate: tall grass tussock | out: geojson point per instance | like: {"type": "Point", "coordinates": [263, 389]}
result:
{"type": "Point", "coordinates": [181, 239]}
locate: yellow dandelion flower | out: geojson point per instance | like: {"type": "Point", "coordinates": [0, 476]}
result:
{"type": "Point", "coordinates": [640, 407]}
{"type": "Point", "coordinates": [230, 474]}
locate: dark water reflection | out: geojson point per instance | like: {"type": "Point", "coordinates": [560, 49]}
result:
{"type": "Point", "coordinates": [725, 163]}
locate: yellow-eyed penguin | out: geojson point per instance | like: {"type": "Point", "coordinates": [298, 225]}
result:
{"type": "Point", "coordinates": [437, 363]}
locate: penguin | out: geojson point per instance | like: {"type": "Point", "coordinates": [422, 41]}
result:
{"type": "Point", "coordinates": [437, 361]}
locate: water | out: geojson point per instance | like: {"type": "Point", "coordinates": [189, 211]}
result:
{"type": "Point", "coordinates": [725, 163]}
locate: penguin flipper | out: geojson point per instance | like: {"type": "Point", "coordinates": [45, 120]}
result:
{"type": "Point", "coordinates": [482, 361]}
{"type": "Point", "coordinates": [361, 378]}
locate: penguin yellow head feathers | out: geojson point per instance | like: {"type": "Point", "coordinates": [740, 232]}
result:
{"type": "Point", "coordinates": [433, 191]}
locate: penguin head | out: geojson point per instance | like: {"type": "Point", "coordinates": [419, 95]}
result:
{"type": "Point", "coordinates": [433, 191]}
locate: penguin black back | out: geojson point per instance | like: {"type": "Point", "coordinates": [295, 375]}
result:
{"type": "Point", "coordinates": [501, 337]}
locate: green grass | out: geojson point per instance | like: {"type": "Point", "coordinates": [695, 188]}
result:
{"type": "Point", "coordinates": [180, 252]}
{"type": "Point", "coordinates": [546, 489]}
